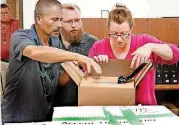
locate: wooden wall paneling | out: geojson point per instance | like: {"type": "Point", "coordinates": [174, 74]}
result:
{"type": "Point", "coordinates": [96, 27]}
{"type": "Point", "coordinates": [166, 29]}
{"type": "Point", "coordinates": [88, 24]}
{"type": "Point", "coordinates": [140, 26]}
{"type": "Point", "coordinates": [17, 9]}
{"type": "Point", "coordinates": [21, 13]}
{"type": "Point", "coordinates": [12, 5]}
{"type": "Point", "coordinates": [101, 28]}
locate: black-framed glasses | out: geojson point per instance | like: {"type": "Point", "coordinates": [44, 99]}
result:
{"type": "Point", "coordinates": [123, 36]}
{"type": "Point", "coordinates": [70, 22]}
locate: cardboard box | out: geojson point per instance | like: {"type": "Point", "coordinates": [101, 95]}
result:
{"type": "Point", "coordinates": [103, 90]}
{"type": "Point", "coordinates": [115, 115]}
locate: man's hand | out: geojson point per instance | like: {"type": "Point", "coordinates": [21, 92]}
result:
{"type": "Point", "coordinates": [141, 55]}
{"type": "Point", "coordinates": [102, 59]}
{"type": "Point", "coordinates": [87, 63]}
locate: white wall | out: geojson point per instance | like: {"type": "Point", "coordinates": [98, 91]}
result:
{"type": "Point", "coordinates": [3, 1]}
{"type": "Point", "coordinates": [92, 8]}
{"type": "Point", "coordinates": [163, 8]}
{"type": "Point", "coordinates": [28, 13]}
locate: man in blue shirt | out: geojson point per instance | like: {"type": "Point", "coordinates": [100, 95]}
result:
{"type": "Point", "coordinates": [33, 71]}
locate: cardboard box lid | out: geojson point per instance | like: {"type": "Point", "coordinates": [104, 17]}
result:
{"type": "Point", "coordinates": [74, 71]}
{"type": "Point", "coordinates": [142, 73]}
{"type": "Point", "coordinates": [76, 74]}
{"type": "Point", "coordinates": [114, 67]}
{"type": "Point", "coordinates": [109, 69]}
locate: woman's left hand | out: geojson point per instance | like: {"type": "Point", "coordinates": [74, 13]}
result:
{"type": "Point", "coordinates": [141, 55]}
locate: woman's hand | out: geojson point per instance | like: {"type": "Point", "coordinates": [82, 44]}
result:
{"type": "Point", "coordinates": [102, 59]}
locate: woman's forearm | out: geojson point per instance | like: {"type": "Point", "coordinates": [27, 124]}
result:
{"type": "Point", "coordinates": [162, 50]}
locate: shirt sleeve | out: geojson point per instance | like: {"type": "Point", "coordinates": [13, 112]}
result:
{"type": "Point", "coordinates": [157, 59]}
{"type": "Point", "coordinates": [92, 51]}
{"type": "Point", "coordinates": [89, 43]}
{"type": "Point", "coordinates": [19, 41]}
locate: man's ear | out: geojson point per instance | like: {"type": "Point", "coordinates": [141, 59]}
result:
{"type": "Point", "coordinates": [38, 19]}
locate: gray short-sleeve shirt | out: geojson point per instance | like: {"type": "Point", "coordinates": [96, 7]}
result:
{"type": "Point", "coordinates": [30, 84]}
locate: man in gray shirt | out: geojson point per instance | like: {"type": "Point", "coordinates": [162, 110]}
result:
{"type": "Point", "coordinates": [33, 71]}
{"type": "Point", "coordinates": [73, 39]}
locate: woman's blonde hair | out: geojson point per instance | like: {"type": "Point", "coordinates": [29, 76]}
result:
{"type": "Point", "coordinates": [119, 14]}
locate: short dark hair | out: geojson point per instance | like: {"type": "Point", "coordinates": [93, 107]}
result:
{"type": "Point", "coordinates": [3, 5]}
{"type": "Point", "coordinates": [43, 5]}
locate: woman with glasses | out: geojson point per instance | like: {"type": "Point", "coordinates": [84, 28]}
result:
{"type": "Point", "coordinates": [122, 44]}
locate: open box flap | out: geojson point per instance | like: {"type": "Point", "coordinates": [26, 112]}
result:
{"type": "Point", "coordinates": [74, 71]}
{"type": "Point", "coordinates": [114, 68]}
{"type": "Point", "coordinates": [141, 74]}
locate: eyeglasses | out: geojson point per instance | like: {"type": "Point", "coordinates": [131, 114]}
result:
{"type": "Point", "coordinates": [123, 36]}
{"type": "Point", "coordinates": [70, 22]}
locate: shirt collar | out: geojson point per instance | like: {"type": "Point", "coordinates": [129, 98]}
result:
{"type": "Point", "coordinates": [35, 37]}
